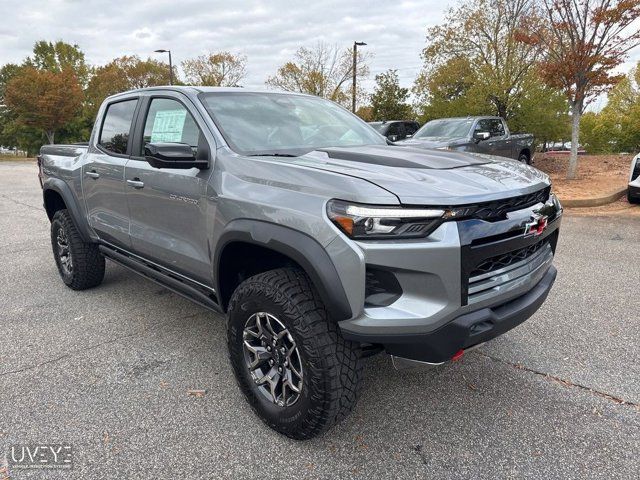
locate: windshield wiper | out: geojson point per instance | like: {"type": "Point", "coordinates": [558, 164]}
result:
{"type": "Point", "coordinates": [273, 155]}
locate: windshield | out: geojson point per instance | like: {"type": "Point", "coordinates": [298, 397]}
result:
{"type": "Point", "coordinates": [284, 124]}
{"type": "Point", "coordinates": [447, 128]}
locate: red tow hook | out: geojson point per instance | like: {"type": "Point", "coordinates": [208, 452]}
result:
{"type": "Point", "coordinates": [457, 356]}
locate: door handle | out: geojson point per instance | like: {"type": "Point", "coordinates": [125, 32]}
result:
{"type": "Point", "coordinates": [135, 183]}
{"type": "Point", "coordinates": [92, 174]}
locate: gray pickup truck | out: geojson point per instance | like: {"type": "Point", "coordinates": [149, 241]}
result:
{"type": "Point", "coordinates": [488, 135]}
{"type": "Point", "coordinates": [320, 242]}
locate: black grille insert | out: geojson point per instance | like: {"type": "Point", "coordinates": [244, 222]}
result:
{"type": "Point", "coordinates": [501, 261]}
{"type": "Point", "coordinates": [498, 209]}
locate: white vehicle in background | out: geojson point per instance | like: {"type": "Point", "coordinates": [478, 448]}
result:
{"type": "Point", "coordinates": [633, 193]}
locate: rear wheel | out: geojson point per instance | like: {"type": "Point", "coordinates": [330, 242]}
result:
{"type": "Point", "coordinates": [293, 366]}
{"type": "Point", "coordinates": [79, 263]}
{"type": "Point", "coordinates": [632, 198]}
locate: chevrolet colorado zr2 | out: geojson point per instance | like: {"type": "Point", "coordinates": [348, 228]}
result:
{"type": "Point", "coordinates": [320, 242]}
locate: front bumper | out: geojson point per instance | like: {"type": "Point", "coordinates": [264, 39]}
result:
{"type": "Point", "coordinates": [466, 330]}
{"type": "Point", "coordinates": [468, 282]}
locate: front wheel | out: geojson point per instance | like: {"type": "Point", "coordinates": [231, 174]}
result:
{"type": "Point", "coordinates": [293, 366]}
{"type": "Point", "coordinates": [524, 158]}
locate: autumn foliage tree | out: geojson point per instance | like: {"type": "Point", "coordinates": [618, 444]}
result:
{"type": "Point", "coordinates": [324, 70]}
{"type": "Point", "coordinates": [44, 99]}
{"type": "Point", "coordinates": [122, 74]}
{"type": "Point", "coordinates": [583, 41]}
{"type": "Point", "coordinates": [480, 40]}
{"type": "Point", "coordinates": [223, 69]}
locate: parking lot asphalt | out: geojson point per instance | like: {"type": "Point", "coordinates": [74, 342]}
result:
{"type": "Point", "coordinates": [108, 371]}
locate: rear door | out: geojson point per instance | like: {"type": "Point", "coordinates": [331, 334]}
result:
{"type": "Point", "coordinates": [103, 174]}
{"type": "Point", "coordinates": [170, 214]}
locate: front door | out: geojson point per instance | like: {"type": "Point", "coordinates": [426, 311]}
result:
{"type": "Point", "coordinates": [170, 212]}
{"type": "Point", "coordinates": [103, 174]}
{"type": "Point", "coordinates": [496, 144]}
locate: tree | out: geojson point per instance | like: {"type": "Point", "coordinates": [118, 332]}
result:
{"type": "Point", "coordinates": [43, 99]}
{"type": "Point", "coordinates": [222, 69]}
{"type": "Point", "coordinates": [616, 128]}
{"type": "Point", "coordinates": [485, 34]}
{"type": "Point", "coordinates": [122, 74]}
{"type": "Point", "coordinates": [389, 98]}
{"type": "Point", "coordinates": [450, 90]}
{"type": "Point", "coordinates": [365, 112]}
{"type": "Point", "coordinates": [58, 56]}
{"type": "Point", "coordinates": [583, 41]}
{"type": "Point", "coordinates": [325, 71]}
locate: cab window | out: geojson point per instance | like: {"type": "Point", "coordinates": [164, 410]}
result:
{"type": "Point", "coordinates": [169, 121]}
{"type": "Point", "coordinates": [114, 135]}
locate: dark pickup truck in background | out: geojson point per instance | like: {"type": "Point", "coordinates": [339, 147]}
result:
{"type": "Point", "coordinates": [488, 135]}
{"type": "Point", "coordinates": [396, 130]}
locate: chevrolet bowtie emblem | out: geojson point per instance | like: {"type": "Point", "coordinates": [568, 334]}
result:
{"type": "Point", "coordinates": [536, 226]}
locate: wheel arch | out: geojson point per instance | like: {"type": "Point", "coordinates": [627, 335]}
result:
{"type": "Point", "coordinates": [248, 239]}
{"type": "Point", "coordinates": [525, 151]}
{"type": "Point", "coordinates": [56, 196]}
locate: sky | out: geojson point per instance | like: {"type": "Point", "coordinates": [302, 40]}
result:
{"type": "Point", "coordinates": [267, 32]}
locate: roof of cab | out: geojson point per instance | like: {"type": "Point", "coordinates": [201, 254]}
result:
{"type": "Point", "coordinates": [194, 90]}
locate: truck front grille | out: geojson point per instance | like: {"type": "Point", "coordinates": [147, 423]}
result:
{"type": "Point", "coordinates": [498, 209]}
{"type": "Point", "coordinates": [501, 261]}
{"type": "Point", "coordinates": [525, 262]}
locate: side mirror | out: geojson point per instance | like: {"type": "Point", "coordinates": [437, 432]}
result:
{"type": "Point", "coordinates": [172, 155]}
{"type": "Point", "coordinates": [479, 136]}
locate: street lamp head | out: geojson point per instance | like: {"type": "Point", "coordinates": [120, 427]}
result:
{"type": "Point", "coordinates": [360, 44]}
{"type": "Point", "coordinates": [162, 50]}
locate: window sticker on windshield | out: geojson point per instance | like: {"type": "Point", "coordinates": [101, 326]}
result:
{"type": "Point", "coordinates": [168, 126]}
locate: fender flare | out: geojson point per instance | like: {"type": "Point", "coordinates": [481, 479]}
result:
{"type": "Point", "coordinates": [60, 187]}
{"type": "Point", "coordinates": [298, 246]}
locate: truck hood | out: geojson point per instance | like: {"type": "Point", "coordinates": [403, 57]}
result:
{"type": "Point", "coordinates": [432, 142]}
{"type": "Point", "coordinates": [419, 177]}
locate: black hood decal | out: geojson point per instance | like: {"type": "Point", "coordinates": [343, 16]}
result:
{"type": "Point", "coordinates": [405, 157]}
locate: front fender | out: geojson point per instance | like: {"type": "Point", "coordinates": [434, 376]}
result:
{"type": "Point", "coordinates": [299, 247]}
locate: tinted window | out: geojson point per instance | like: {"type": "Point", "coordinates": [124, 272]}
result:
{"type": "Point", "coordinates": [114, 135]}
{"type": "Point", "coordinates": [411, 127]}
{"type": "Point", "coordinates": [492, 125]}
{"type": "Point", "coordinates": [170, 121]}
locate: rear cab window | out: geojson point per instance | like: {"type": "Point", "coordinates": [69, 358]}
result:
{"type": "Point", "coordinates": [116, 126]}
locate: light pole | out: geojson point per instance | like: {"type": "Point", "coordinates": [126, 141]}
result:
{"type": "Point", "coordinates": [170, 64]}
{"type": "Point", "coordinates": [355, 67]}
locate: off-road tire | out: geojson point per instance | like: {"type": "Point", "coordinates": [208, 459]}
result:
{"type": "Point", "coordinates": [524, 158]}
{"type": "Point", "coordinates": [87, 269]}
{"type": "Point", "coordinates": [331, 365]}
{"type": "Point", "coordinates": [632, 198]}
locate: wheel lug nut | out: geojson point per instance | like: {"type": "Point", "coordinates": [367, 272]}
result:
{"type": "Point", "coordinates": [280, 369]}
{"type": "Point", "coordinates": [268, 348]}
{"type": "Point", "coordinates": [283, 350]}
{"type": "Point", "coordinates": [271, 362]}
{"type": "Point", "coordinates": [286, 364]}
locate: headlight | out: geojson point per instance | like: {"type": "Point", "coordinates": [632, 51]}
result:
{"type": "Point", "coordinates": [375, 222]}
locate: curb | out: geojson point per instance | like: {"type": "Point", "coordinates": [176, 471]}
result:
{"type": "Point", "coordinates": [594, 202]}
